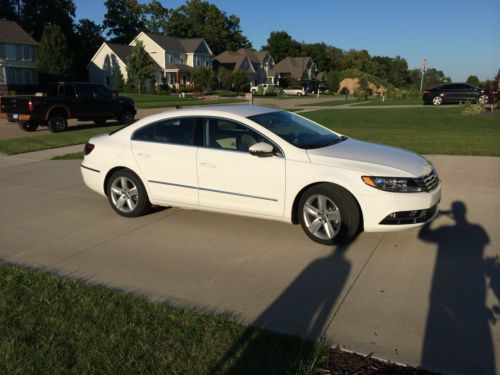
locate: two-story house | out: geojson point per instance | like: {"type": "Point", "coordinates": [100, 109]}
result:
{"type": "Point", "coordinates": [18, 52]}
{"type": "Point", "coordinates": [174, 58]}
{"type": "Point", "coordinates": [302, 69]}
{"type": "Point", "coordinates": [257, 63]}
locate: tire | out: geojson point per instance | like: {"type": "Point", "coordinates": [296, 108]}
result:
{"type": "Point", "coordinates": [336, 220]}
{"type": "Point", "coordinates": [437, 100]}
{"type": "Point", "coordinates": [126, 194]}
{"type": "Point", "coordinates": [483, 99]}
{"type": "Point", "coordinates": [58, 122]}
{"type": "Point", "coordinates": [127, 116]}
{"type": "Point", "coordinates": [28, 126]}
{"type": "Point", "coordinates": [100, 122]}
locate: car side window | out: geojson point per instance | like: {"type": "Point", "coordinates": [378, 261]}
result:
{"type": "Point", "coordinates": [180, 131]}
{"type": "Point", "coordinates": [228, 135]}
{"type": "Point", "coordinates": [84, 92]}
{"type": "Point", "coordinates": [101, 92]}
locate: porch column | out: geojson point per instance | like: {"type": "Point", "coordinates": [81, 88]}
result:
{"type": "Point", "coordinates": [177, 80]}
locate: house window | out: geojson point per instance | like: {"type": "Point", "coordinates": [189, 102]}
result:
{"type": "Point", "coordinates": [27, 77]}
{"type": "Point", "coordinates": [10, 52]}
{"type": "Point", "coordinates": [198, 63]}
{"type": "Point", "coordinates": [19, 76]}
{"type": "Point", "coordinates": [170, 58]}
{"type": "Point", "coordinates": [27, 53]}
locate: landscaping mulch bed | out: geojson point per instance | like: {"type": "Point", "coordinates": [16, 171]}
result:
{"type": "Point", "coordinates": [340, 362]}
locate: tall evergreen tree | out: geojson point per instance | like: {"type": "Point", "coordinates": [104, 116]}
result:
{"type": "Point", "coordinates": [124, 19]}
{"type": "Point", "coordinates": [280, 45]}
{"type": "Point", "coordinates": [87, 39]}
{"type": "Point", "coordinates": [140, 67]}
{"type": "Point", "coordinates": [54, 61]}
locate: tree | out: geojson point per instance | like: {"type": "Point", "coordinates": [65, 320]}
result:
{"type": "Point", "coordinates": [155, 17]}
{"type": "Point", "coordinates": [203, 78]}
{"type": "Point", "coordinates": [8, 10]}
{"type": "Point", "coordinates": [319, 52]}
{"type": "Point", "coordinates": [118, 81]}
{"type": "Point", "coordinates": [124, 19]}
{"type": "Point", "coordinates": [54, 59]}
{"type": "Point", "coordinates": [87, 39]}
{"type": "Point", "coordinates": [280, 45]}
{"type": "Point", "coordinates": [333, 81]}
{"type": "Point", "coordinates": [225, 78]}
{"type": "Point", "coordinates": [140, 67]}
{"type": "Point", "coordinates": [241, 80]}
{"type": "Point", "coordinates": [434, 77]}
{"type": "Point", "coordinates": [200, 19]}
{"type": "Point", "coordinates": [473, 80]}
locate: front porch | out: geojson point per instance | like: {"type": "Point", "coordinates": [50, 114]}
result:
{"type": "Point", "coordinates": [178, 76]}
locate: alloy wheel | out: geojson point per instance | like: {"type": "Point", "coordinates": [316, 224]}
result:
{"type": "Point", "coordinates": [321, 217]}
{"type": "Point", "coordinates": [124, 194]}
{"type": "Point", "coordinates": [437, 100]}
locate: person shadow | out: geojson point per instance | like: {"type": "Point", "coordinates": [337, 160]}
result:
{"type": "Point", "coordinates": [458, 339]}
{"type": "Point", "coordinates": [302, 310]}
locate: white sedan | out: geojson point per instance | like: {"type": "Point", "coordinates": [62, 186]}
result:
{"type": "Point", "coordinates": [264, 163]}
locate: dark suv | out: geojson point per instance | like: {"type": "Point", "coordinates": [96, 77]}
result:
{"type": "Point", "coordinates": [455, 93]}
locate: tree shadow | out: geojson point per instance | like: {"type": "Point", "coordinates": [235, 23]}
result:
{"type": "Point", "coordinates": [458, 337]}
{"type": "Point", "coordinates": [302, 310]}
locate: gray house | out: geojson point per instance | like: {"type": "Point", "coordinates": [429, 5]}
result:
{"type": "Point", "coordinates": [18, 52]}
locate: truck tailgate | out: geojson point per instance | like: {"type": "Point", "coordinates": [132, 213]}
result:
{"type": "Point", "coordinates": [15, 104]}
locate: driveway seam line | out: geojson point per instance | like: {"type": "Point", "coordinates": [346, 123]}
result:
{"type": "Point", "coordinates": [352, 286]}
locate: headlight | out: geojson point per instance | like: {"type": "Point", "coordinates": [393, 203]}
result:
{"type": "Point", "coordinates": [394, 184]}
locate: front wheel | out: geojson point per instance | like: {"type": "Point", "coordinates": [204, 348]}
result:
{"type": "Point", "coordinates": [126, 117]}
{"type": "Point", "coordinates": [127, 194]}
{"type": "Point", "coordinates": [437, 100]}
{"type": "Point", "coordinates": [28, 126]}
{"type": "Point", "coordinates": [483, 99]}
{"type": "Point", "coordinates": [329, 214]}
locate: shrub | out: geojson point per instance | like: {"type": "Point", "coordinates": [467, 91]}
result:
{"type": "Point", "coordinates": [270, 91]}
{"type": "Point", "coordinates": [469, 109]}
{"type": "Point", "coordinates": [260, 90]}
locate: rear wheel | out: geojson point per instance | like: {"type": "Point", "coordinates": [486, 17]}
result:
{"type": "Point", "coordinates": [437, 100]}
{"type": "Point", "coordinates": [58, 122]}
{"type": "Point", "coordinates": [28, 126]}
{"type": "Point", "coordinates": [329, 214]}
{"type": "Point", "coordinates": [127, 194]}
{"type": "Point", "coordinates": [483, 99]}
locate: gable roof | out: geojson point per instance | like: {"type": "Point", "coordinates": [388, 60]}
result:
{"type": "Point", "coordinates": [11, 32]}
{"type": "Point", "coordinates": [295, 66]}
{"type": "Point", "coordinates": [123, 51]}
{"type": "Point", "coordinates": [233, 60]}
{"type": "Point", "coordinates": [174, 44]}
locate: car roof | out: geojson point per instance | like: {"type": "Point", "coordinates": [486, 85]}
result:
{"type": "Point", "coordinates": [218, 110]}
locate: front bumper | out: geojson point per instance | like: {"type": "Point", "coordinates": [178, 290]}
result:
{"type": "Point", "coordinates": [407, 210]}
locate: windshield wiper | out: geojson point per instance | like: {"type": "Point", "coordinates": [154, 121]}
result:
{"type": "Point", "coordinates": [329, 143]}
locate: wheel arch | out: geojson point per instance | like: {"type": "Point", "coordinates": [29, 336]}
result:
{"type": "Point", "coordinates": [295, 205]}
{"type": "Point", "coordinates": [57, 109]}
{"type": "Point", "coordinates": [116, 169]}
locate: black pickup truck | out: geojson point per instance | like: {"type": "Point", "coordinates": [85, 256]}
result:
{"type": "Point", "coordinates": [65, 100]}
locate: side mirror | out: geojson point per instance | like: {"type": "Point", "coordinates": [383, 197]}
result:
{"type": "Point", "coordinates": [262, 150]}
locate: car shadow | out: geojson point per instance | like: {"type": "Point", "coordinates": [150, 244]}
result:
{"type": "Point", "coordinates": [302, 309]}
{"type": "Point", "coordinates": [458, 338]}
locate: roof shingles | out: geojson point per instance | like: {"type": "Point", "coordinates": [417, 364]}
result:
{"type": "Point", "coordinates": [11, 32]}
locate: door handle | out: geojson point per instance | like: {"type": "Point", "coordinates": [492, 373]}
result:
{"type": "Point", "coordinates": [143, 155]}
{"type": "Point", "coordinates": [207, 165]}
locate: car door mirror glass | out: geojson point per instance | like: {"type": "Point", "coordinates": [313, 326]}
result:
{"type": "Point", "coordinates": [261, 149]}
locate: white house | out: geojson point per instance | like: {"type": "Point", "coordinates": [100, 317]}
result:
{"type": "Point", "coordinates": [174, 58]}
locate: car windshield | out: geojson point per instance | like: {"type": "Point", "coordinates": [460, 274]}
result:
{"type": "Point", "coordinates": [297, 130]}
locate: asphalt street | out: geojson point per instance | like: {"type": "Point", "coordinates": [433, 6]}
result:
{"type": "Point", "coordinates": [427, 297]}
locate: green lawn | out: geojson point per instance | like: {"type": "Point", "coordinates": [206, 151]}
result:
{"type": "Point", "coordinates": [423, 130]}
{"type": "Point", "coordinates": [378, 101]}
{"type": "Point", "coordinates": [49, 140]}
{"type": "Point", "coordinates": [161, 101]}
{"type": "Point", "coordinates": [70, 156]}
{"type": "Point", "coordinates": [52, 325]}
{"type": "Point", "coordinates": [333, 103]}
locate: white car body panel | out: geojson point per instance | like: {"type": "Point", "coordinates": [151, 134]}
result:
{"type": "Point", "coordinates": [240, 183]}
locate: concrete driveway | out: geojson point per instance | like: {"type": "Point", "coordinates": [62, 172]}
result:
{"type": "Point", "coordinates": [426, 297]}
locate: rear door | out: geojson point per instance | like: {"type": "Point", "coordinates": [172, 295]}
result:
{"type": "Point", "coordinates": [105, 105]}
{"type": "Point", "coordinates": [84, 107]}
{"type": "Point", "coordinates": [165, 153]}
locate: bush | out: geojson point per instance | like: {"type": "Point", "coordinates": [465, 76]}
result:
{"type": "Point", "coordinates": [469, 109]}
{"type": "Point", "coordinates": [260, 90]}
{"type": "Point", "coordinates": [270, 91]}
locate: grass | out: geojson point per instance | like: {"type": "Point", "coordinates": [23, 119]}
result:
{"type": "Point", "coordinates": [52, 325]}
{"type": "Point", "coordinates": [333, 103]}
{"type": "Point", "coordinates": [47, 141]}
{"type": "Point", "coordinates": [162, 101]}
{"type": "Point", "coordinates": [423, 130]}
{"type": "Point", "coordinates": [70, 156]}
{"type": "Point", "coordinates": [379, 102]}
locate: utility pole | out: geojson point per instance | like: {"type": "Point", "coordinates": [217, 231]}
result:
{"type": "Point", "coordinates": [424, 68]}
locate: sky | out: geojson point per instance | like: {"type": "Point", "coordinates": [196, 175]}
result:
{"type": "Point", "coordinates": [460, 37]}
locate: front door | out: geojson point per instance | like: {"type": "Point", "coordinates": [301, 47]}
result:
{"type": "Point", "coordinates": [165, 153]}
{"type": "Point", "coordinates": [230, 178]}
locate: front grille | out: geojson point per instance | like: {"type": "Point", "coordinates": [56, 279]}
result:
{"type": "Point", "coordinates": [410, 217]}
{"type": "Point", "coordinates": [429, 182]}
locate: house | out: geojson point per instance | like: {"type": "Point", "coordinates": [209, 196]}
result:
{"type": "Point", "coordinates": [18, 51]}
{"type": "Point", "coordinates": [257, 63]}
{"type": "Point", "coordinates": [175, 59]}
{"type": "Point", "coordinates": [302, 69]}
{"type": "Point", "coordinates": [321, 78]}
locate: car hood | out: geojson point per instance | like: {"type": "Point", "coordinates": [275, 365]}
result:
{"type": "Point", "coordinates": [371, 158]}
